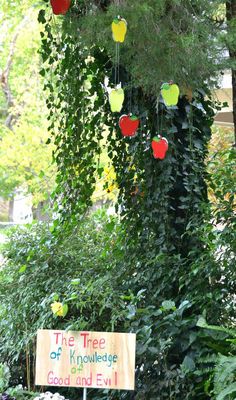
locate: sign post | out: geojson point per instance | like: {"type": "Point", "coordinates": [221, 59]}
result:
{"type": "Point", "coordinates": [85, 394]}
{"type": "Point", "coordinates": [102, 360]}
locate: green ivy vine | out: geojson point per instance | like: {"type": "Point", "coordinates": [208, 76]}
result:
{"type": "Point", "coordinates": [156, 197]}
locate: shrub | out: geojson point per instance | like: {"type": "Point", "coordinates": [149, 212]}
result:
{"type": "Point", "coordinates": [111, 281]}
{"type": "Point", "coordinates": [11, 393]}
{"type": "Point", "coordinates": [224, 363]}
{"type": "Point", "coordinates": [40, 270]}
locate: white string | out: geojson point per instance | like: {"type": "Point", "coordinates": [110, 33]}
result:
{"type": "Point", "coordinates": [118, 62]}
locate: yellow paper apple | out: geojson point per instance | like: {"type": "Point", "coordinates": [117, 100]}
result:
{"type": "Point", "coordinates": [59, 309]}
{"type": "Point", "coordinates": [170, 94]}
{"type": "Point", "coordinates": [116, 99]}
{"type": "Point", "coordinates": [119, 29]}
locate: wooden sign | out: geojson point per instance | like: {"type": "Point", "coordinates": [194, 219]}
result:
{"type": "Point", "coordinates": [85, 359]}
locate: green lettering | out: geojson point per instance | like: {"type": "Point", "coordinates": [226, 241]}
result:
{"type": "Point", "coordinates": [72, 356]}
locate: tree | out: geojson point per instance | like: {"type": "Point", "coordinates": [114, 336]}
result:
{"type": "Point", "coordinates": [24, 157]}
{"type": "Point", "coordinates": [231, 17]}
{"type": "Point", "coordinates": [170, 257]}
{"type": "Point", "coordinates": [181, 23]}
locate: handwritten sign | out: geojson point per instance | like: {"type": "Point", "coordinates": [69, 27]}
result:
{"type": "Point", "coordinates": [85, 359]}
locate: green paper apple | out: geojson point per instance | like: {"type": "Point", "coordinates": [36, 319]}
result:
{"type": "Point", "coordinates": [170, 93]}
{"type": "Point", "coordinates": [116, 99]}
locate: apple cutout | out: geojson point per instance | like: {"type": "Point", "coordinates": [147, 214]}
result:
{"type": "Point", "coordinates": [170, 93]}
{"type": "Point", "coordinates": [60, 6]}
{"type": "Point", "coordinates": [119, 29]}
{"type": "Point", "coordinates": [159, 147]}
{"type": "Point", "coordinates": [116, 99]}
{"type": "Point", "coordinates": [128, 125]}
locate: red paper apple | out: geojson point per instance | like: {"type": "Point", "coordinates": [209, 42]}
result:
{"type": "Point", "coordinates": [128, 124]}
{"type": "Point", "coordinates": [60, 6]}
{"type": "Point", "coordinates": [159, 147]}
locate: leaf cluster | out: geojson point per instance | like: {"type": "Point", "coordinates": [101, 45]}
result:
{"type": "Point", "coordinates": [178, 40]}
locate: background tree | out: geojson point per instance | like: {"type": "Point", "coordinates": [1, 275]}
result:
{"type": "Point", "coordinates": [231, 17]}
{"type": "Point", "coordinates": [24, 157]}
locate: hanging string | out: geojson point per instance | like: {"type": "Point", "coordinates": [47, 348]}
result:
{"type": "Point", "coordinates": [162, 118]}
{"type": "Point", "coordinates": [157, 116]}
{"type": "Point", "coordinates": [130, 96]}
{"type": "Point", "coordinates": [118, 53]}
{"type": "Point", "coordinates": [118, 62]}
{"type": "Point", "coordinates": [190, 119]}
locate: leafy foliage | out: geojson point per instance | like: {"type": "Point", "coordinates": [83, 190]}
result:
{"type": "Point", "coordinates": [109, 286]}
{"type": "Point", "coordinates": [225, 368]}
{"type": "Point", "coordinates": [185, 42]}
{"type": "Point", "coordinates": [146, 186]}
{"type": "Point", "coordinates": [12, 393]}
{"type": "Point", "coordinates": [224, 374]}
{"type": "Point", "coordinates": [162, 266]}
{"type": "Point", "coordinates": [4, 377]}
{"type": "Point", "coordinates": [25, 160]}
{"type": "Point", "coordinates": [169, 245]}
{"type": "Point", "coordinates": [43, 272]}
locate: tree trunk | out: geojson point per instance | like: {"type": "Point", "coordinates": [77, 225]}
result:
{"type": "Point", "coordinates": [234, 100]}
{"type": "Point", "coordinates": [6, 89]}
{"type": "Point", "coordinates": [40, 213]}
{"type": "Point", "coordinates": [11, 210]}
{"type": "Point", "coordinates": [230, 15]}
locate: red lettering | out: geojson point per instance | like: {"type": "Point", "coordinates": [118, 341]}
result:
{"type": "Point", "coordinates": [57, 381]}
{"type": "Point", "coordinates": [57, 336]}
{"type": "Point", "coordinates": [71, 341]}
{"type": "Point", "coordinates": [102, 343]}
{"type": "Point", "coordinates": [61, 339]}
{"type": "Point", "coordinates": [99, 379]}
{"type": "Point", "coordinates": [93, 343]}
{"type": "Point", "coordinates": [85, 336]}
{"type": "Point", "coordinates": [50, 378]}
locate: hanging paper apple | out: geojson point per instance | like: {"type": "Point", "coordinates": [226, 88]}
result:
{"type": "Point", "coordinates": [60, 6]}
{"type": "Point", "coordinates": [119, 29]}
{"type": "Point", "coordinates": [116, 99]}
{"type": "Point", "coordinates": [159, 147]}
{"type": "Point", "coordinates": [128, 124]}
{"type": "Point", "coordinates": [170, 93]}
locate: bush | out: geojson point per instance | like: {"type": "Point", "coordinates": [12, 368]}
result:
{"type": "Point", "coordinates": [40, 270]}
{"type": "Point", "coordinates": [111, 281]}
{"type": "Point", "coordinates": [224, 370]}
{"type": "Point", "coordinates": [4, 377]}
{"type": "Point", "coordinates": [11, 393]}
